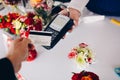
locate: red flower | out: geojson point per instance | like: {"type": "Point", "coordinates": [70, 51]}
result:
{"type": "Point", "coordinates": [90, 60]}
{"type": "Point", "coordinates": [29, 21]}
{"type": "Point", "coordinates": [8, 25]}
{"type": "Point", "coordinates": [32, 55]}
{"type": "Point", "coordinates": [75, 76]}
{"type": "Point", "coordinates": [2, 22]}
{"type": "Point", "coordinates": [83, 45]}
{"type": "Point", "coordinates": [38, 25]}
{"type": "Point", "coordinates": [6, 21]}
{"type": "Point", "coordinates": [1, 25]}
{"type": "Point", "coordinates": [13, 16]}
{"type": "Point", "coordinates": [84, 75]}
{"type": "Point", "coordinates": [30, 15]}
{"type": "Point", "coordinates": [12, 30]}
{"type": "Point", "coordinates": [72, 55]}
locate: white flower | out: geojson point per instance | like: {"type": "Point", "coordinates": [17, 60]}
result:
{"type": "Point", "coordinates": [80, 59]}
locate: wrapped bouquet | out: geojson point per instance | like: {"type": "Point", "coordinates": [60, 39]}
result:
{"type": "Point", "coordinates": [82, 55]}
{"type": "Point", "coordinates": [85, 75]}
{"type": "Point", "coordinates": [20, 25]}
{"type": "Point", "coordinates": [43, 8]}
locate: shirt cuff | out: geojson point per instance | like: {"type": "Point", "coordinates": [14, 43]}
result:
{"type": "Point", "coordinates": [6, 70]}
{"type": "Point", "coordinates": [78, 4]}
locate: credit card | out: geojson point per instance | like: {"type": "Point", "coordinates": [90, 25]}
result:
{"type": "Point", "coordinates": [41, 37]}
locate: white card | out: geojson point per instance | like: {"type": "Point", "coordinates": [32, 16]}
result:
{"type": "Point", "coordinates": [41, 37]}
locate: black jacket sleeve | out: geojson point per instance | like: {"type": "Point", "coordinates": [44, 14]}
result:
{"type": "Point", "coordinates": [6, 70]}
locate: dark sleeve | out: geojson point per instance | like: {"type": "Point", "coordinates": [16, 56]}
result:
{"type": "Point", "coordinates": [6, 70]}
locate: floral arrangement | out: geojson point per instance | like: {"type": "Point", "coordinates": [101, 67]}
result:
{"type": "Point", "coordinates": [6, 20]}
{"type": "Point", "coordinates": [12, 5]}
{"type": "Point", "coordinates": [11, 2]}
{"type": "Point", "coordinates": [20, 25]}
{"type": "Point", "coordinates": [29, 21]}
{"type": "Point", "coordinates": [85, 75]}
{"type": "Point", "coordinates": [43, 8]}
{"type": "Point", "coordinates": [45, 5]}
{"type": "Point", "coordinates": [82, 55]}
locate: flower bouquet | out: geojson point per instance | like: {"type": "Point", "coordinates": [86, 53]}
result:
{"type": "Point", "coordinates": [12, 5]}
{"type": "Point", "coordinates": [43, 8]}
{"type": "Point", "coordinates": [20, 25]}
{"type": "Point", "coordinates": [85, 75]}
{"type": "Point", "coordinates": [11, 2]}
{"type": "Point", "coordinates": [82, 55]}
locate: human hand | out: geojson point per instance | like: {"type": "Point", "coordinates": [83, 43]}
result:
{"type": "Point", "coordinates": [73, 14]}
{"type": "Point", "coordinates": [18, 52]}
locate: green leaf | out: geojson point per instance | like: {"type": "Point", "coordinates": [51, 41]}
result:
{"type": "Point", "coordinates": [5, 17]}
{"type": "Point", "coordinates": [0, 20]}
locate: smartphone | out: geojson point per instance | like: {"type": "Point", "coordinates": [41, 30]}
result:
{"type": "Point", "coordinates": [59, 25]}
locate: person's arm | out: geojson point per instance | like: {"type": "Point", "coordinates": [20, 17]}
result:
{"type": "Point", "coordinates": [11, 64]}
{"type": "Point", "coordinates": [6, 70]}
{"type": "Point", "coordinates": [78, 4]}
{"type": "Point", "coordinates": [75, 9]}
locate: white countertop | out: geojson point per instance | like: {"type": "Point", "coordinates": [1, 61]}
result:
{"type": "Point", "coordinates": [103, 38]}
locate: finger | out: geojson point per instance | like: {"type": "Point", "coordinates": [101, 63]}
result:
{"type": "Point", "coordinates": [76, 23]}
{"type": "Point", "coordinates": [64, 12]}
{"type": "Point", "coordinates": [70, 30]}
{"type": "Point", "coordinates": [64, 37]}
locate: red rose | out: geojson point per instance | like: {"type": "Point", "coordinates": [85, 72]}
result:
{"type": "Point", "coordinates": [38, 25]}
{"type": "Point", "coordinates": [30, 15]}
{"type": "Point", "coordinates": [29, 21]}
{"type": "Point", "coordinates": [1, 25]}
{"type": "Point", "coordinates": [12, 30]}
{"type": "Point", "coordinates": [13, 15]}
{"type": "Point", "coordinates": [75, 76]}
{"type": "Point", "coordinates": [8, 25]}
